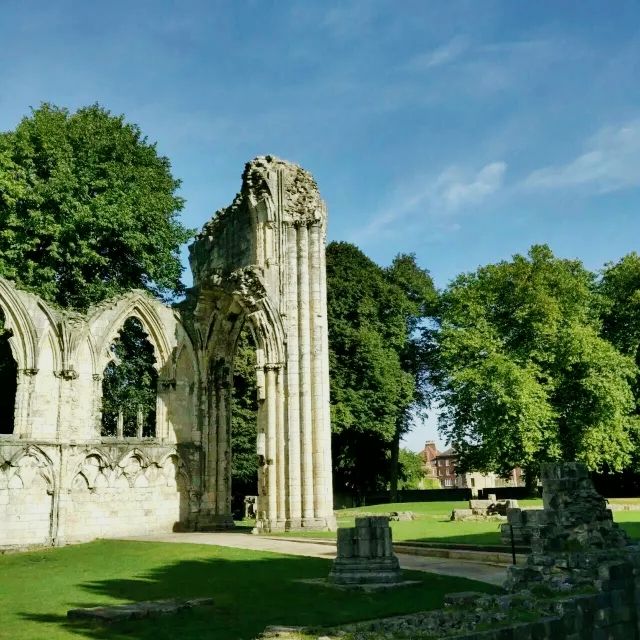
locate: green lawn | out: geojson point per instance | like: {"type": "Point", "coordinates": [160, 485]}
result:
{"type": "Point", "coordinates": [432, 523]}
{"type": "Point", "coordinates": [250, 590]}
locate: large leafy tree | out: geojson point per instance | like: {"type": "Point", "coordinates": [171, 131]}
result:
{"type": "Point", "coordinates": [375, 368]}
{"type": "Point", "coordinates": [88, 208]}
{"type": "Point", "coordinates": [619, 289]}
{"type": "Point", "coordinates": [523, 373]}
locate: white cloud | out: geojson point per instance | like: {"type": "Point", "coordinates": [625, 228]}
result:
{"type": "Point", "coordinates": [610, 162]}
{"type": "Point", "coordinates": [441, 55]}
{"type": "Point", "coordinates": [457, 191]}
{"type": "Point", "coordinates": [453, 191]}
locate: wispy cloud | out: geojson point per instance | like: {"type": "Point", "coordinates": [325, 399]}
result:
{"type": "Point", "coordinates": [457, 190]}
{"type": "Point", "coordinates": [441, 55]}
{"type": "Point", "coordinates": [610, 162]}
{"type": "Point", "coordinates": [454, 190]}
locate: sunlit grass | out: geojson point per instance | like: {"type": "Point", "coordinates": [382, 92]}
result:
{"type": "Point", "coordinates": [250, 590]}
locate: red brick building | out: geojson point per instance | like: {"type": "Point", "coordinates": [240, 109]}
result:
{"type": "Point", "coordinates": [441, 465]}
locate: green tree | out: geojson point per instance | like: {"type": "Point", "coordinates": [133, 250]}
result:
{"type": "Point", "coordinates": [619, 289]}
{"type": "Point", "coordinates": [244, 412]}
{"type": "Point", "coordinates": [521, 370]}
{"type": "Point", "coordinates": [88, 208]}
{"type": "Point", "coordinates": [375, 370]}
{"type": "Point", "coordinates": [129, 385]}
{"type": "Point", "coordinates": [411, 470]}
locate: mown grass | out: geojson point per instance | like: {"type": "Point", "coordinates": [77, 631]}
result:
{"type": "Point", "coordinates": [432, 523]}
{"type": "Point", "coordinates": [250, 590]}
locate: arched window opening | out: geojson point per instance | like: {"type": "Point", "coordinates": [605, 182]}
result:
{"type": "Point", "coordinates": [8, 380]}
{"type": "Point", "coordinates": [244, 425]}
{"type": "Point", "coordinates": [129, 385]}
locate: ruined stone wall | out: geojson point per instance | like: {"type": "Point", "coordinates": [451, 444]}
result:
{"type": "Point", "coordinates": [259, 261]}
{"type": "Point", "coordinates": [60, 479]}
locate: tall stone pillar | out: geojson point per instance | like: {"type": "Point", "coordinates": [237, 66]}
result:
{"type": "Point", "coordinates": [292, 394]}
{"type": "Point", "coordinates": [264, 257]}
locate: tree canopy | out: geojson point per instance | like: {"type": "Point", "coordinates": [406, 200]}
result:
{"type": "Point", "coordinates": [620, 291]}
{"type": "Point", "coordinates": [88, 208]}
{"type": "Point", "coordinates": [373, 313]}
{"type": "Point", "coordinates": [523, 373]}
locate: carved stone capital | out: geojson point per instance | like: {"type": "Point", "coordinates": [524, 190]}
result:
{"type": "Point", "coordinates": [66, 374]}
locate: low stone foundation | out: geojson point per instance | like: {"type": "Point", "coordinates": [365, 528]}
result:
{"type": "Point", "coordinates": [365, 554]}
{"type": "Point", "coordinates": [137, 610]}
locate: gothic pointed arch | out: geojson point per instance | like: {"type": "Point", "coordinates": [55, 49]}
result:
{"type": "Point", "coordinates": [42, 463]}
{"type": "Point", "coordinates": [24, 338]}
{"type": "Point", "coordinates": [136, 304]}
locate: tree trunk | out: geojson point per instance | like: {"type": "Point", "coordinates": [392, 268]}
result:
{"type": "Point", "coordinates": [395, 463]}
{"type": "Point", "coordinates": [531, 481]}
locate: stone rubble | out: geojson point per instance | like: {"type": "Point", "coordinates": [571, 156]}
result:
{"type": "Point", "coordinates": [137, 610]}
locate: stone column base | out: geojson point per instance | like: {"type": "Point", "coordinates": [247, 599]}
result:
{"type": "Point", "coordinates": [352, 571]}
{"type": "Point", "coordinates": [215, 522]}
{"type": "Point", "coordinates": [304, 524]}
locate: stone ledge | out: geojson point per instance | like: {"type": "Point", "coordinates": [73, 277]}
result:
{"type": "Point", "coordinates": [358, 586]}
{"type": "Point", "coordinates": [137, 610]}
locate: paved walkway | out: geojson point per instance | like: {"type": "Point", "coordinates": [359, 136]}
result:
{"type": "Point", "coordinates": [443, 566]}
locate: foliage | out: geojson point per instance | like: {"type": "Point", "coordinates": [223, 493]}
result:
{"type": "Point", "coordinates": [412, 473]}
{"type": "Point", "coordinates": [430, 482]}
{"type": "Point", "coordinates": [372, 314]}
{"type": "Point", "coordinates": [522, 372]}
{"type": "Point", "coordinates": [130, 383]}
{"type": "Point", "coordinates": [88, 208]}
{"type": "Point", "coordinates": [619, 289]}
{"type": "Point", "coordinates": [244, 461]}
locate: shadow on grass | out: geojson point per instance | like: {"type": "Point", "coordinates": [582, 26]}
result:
{"type": "Point", "coordinates": [484, 539]}
{"type": "Point", "coordinates": [249, 593]}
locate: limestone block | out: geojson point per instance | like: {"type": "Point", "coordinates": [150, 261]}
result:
{"type": "Point", "coordinates": [365, 554]}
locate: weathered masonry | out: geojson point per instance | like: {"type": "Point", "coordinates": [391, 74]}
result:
{"type": "Point", "coordinates": [67, 473]}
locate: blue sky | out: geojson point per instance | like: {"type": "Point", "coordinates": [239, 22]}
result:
{"type": "Point", "coordinates": [461, 131]}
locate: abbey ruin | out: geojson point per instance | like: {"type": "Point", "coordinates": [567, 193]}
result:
{"type": "Point", "coordinates": [64, 477]}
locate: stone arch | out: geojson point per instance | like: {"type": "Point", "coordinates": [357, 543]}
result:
{"type": "Point", "coordinates": [24, 339]}
{"type": "Point", "coordinates": [180, 466]}
{"type": "Point", "coordinates": [44, 464]}
{"type": "Point", "coordinates": [8, 383]}
{"type": "Point", "coordinates": [180, 389]}
{"type": "Point", "coordinates": [139, 305]}
{"type": "Point", "coordinates": [263, 258]}
{"type": "Point", "coordinates": [30, 487]}
{"type": "Point", "coordinates": [94, 463]}
{"type": "Point", "coordinates": [131, 404]}
{"type": "Point", "coordinates": [55, 337]}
